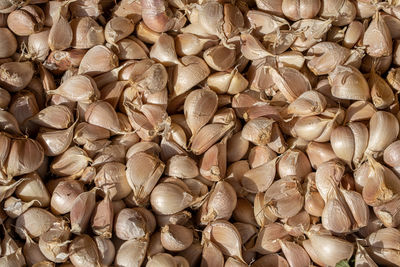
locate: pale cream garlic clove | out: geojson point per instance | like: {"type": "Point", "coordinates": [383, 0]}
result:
{"type": "Point", "coordinates": [131, 48]}
{"type": "Point", "coordinates": [388, 213]}
{"type": "Point", "coordinates": [391, 154]}
{"type": "Point", "coordinates": [81, 211]}
{"type": "Point", "coordinates": [360, 111]}
{"type": "Point", "coordinates": [54, 116]}
{"type": "Point", "coordinates": [132, 224]}
{"type": "Point", "coordinates": [61, 34]}
{"type": "Point", "coordinates": [181, 218]}
{"type": "Point", "coordinates": [267, 238]}
{"type": "Point", "coordinates": [31, 251]}
{"type": "Point", "coordinates": [262, 213]}
{"type": "Point", "coordinates": [83, 251]}
{"type": "Point", "coordinates": [381, 186]}
{"type": "Point", "coordinates": [227, 82]}
{"type": "Point", "coordinates": [343, 143]}
{"type": "Point", "coordinates": [252, 48]}
{"type": "Point", "coordinates": [164, 51]}
{"type": "Point", "coordinates": [86, 33]}
{"type": "Point", "coordinates": [313, 202]}
{"type": "Point", "coordinates": [213, 163]}
{"type": "Point", "coordinates": [260, 178]}
{"type": "Point", "coordinates": [220, 58]}
{"type": "Point", "coordinates": [63, 196]}
{"type": "Point", "coordinates": [132, 252]}
{"type": "Point", "coordinates": [297, 224]}
{"type": "Point", "coordinates": [72, 162]}
{"type": "Point", "coordinates": [294, 162]}
{"type": "Point", "coordinates": [378, 139]}
{"type": "Point", "coordinates": [54, 243]}
{"type": "Point", "coordinates": [294, 253]}
{"type": "Point", "coordinates": [319, 153]}
{"type": "Point", "coordinates": [330, 249]}
{"type": "Point", "coordinates": [381, 93]}
{"type": "Point", "coordinates": [308, 103]}
{"type": "Point", "coordinates": [348, 82]}
{"type": "Point", "coordinates": [265, 23]}
{"type": "Point", "coordinates": [112, 179]}
{"type": "Point", "coordinates": [14, 207]}
{"type": "Point", "coordinates": [328, 175]}
{"type": "Point", "coordinates": [35, 221]}
{"type": "Point", "coordinates": [325, 56]}
{"type": "Point", "coordinates": [191, 72]}
{"type": "Point", "coordinates": [312, 30]}
{"type": "Point", "coordinates": [377, 37]}
{"type": "Point", "coordinates": [181, 167]}
{"type": "Point", "coordinates": [176, 237]}
{"type": "Point", "coordinates": [117, 29]}
{"type": "Point", "coordinates": [199, 107]}
{"type": "Point", "coordinates": [220, 203]}
{"type": "Point", "coordinates": [208, 135]}
{"type": "Point", "coordinates": [237, 147]}
{"type": "Point", "coordinates": [342, 13]}
{"type": "Point", "coordinates": [188, 44]}
{"type": "Point", "coordinates": [143, 171]}
{"type": "Point", "coordinates": [168, 198]}
{"type": "Point", "coordinates": [285, 197]}
{"type": "Point", "coordinates": [38, 46]}
{"type": "Point", "coordinates": [300, 9]}
{"type": "Point", "coordinates": [33, 189]}
{"type": "Point", "coordinates": [225, 236]}
{"type": "Point", "coordinates": [258, 130]}
{"type": "Point", "coordinates": [14, 259]}
{"type": "Point", "coordinates": [99, 59]}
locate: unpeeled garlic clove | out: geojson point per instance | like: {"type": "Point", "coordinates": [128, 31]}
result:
{"type": "Point", "coordinates": [313, 202]}
{"type": "Point", "coordinates": [388, 213]}
{"type": "Point", "coordinates": [73, 161]}
{"type": "Point", "coordinates": [273, 260]}
{"type": "Point", "coordinates": [132, 252]}
{"type": "Point", "coordinates": [181, 167]}
{"type": "Point", "coordinates": [381, 93]}
{"type": "Point", "coordinates": [325, 57]}
{"type": "Point", "coordinates": [377, 37]}
{"type": "Point", "coordinates": [208, 135]}
{"type": "Point", "coordinates": [342, 13]}
{"type": "Point", "coordinates": [15, 76]}
{"type": "Point", "coordinates": [359, 111]}
{"type": "Point", "coordinates": [117, 29]}
{"type": "Point", "coordinates": [312, 31]}
{"type": "Point", "coordinates": [99, 59]}
{"type": "Point", "coordinates": [294, 162]}
{"type": "Point", "coordinates": [199, 107]}
{"type": "Point", "coordinates": [131, 224]}
{"type": "Point", "coordinates": [86, 33]}
{"type": "Point", "coordinates": [213, 163]}
{"type": "Point", "coordinates": [163, 51]}
{"type": "Point", "coordinates": [267, 239]}
{"type": "Point", "coordinates": [111, 178]}
{"type": "Point", "coordinates": [32, 188]}
{"type": "Point", "coordinates": [379, 140]}
{"type": "Point", "coordinates": [362, 257]}
{"type": "Point", "coordinates": [294, 253]}
{"type": "Point", "coordinates": [102, 218]}
{"type": "Point", "coordinates": [343, 143]}
{"type": "Point", "coordinates": [61, 34]}
{"type": "Point", "coordinates": [319, 153]}
{"type": "Point", "coordinates": [31, 251]}
{"type": "Point", "coordinates": [131, 48]}
{"type": "Point", "coordinates": [260, 178]}
{"type": "Point", "coordinates": [348, 82]}
{"type": "Point", "coordinates": [237, 147]}
{"type": "Point", "coordinates": [262, 213]}
{"type": "Point", "coordinates": [328, 174]}
{"type": "Point", "coordinates": [54, 243]}
{"type": "Point", "coordinates": [225, 236]}
{"type": "Point", "coordinates": [55, 116]}
{"type": "Point", "coordinates": [308, 103]}
{"type": "Point", "coordinates": [258, 130]}
{"type": "Point", "coordinates": [81, 211]}
{"type": "Point", "coordinates": [353, 34]}
{"type": "Point", "coordinates": [176, 237]}
{"type": "Point", "coordinates": [64, 195]}
{"type": "Point", "coordinates": [391, 154]}
{"type": "Point", "coordinates": [83, 251]}
{"type": "Point", "coordinates": [219, 57]}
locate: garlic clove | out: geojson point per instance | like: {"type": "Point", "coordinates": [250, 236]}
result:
{"type": "Point", "coordinates": [83, 251]}
{"type": "Point", "coordinates": [176, 237]}
{"type": "Point", "coordinates": [267, 239]}
{"type": "Point", "coordinates": [378, 30]}
{"type": "Point", "coordinates": [260, 178]}
{"type": "Point", "coordinates": [105, 60]}
{"type": "Point", "coordinates": [81, 211]}
{"type": "Point", "coordinates": [132, 252]}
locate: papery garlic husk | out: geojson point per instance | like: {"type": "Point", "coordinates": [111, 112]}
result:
{"type": "Point", "coordinates": [328, 174]}
{"type": "Point", "coordinates": [313, 202]}
{"type": "Point", "coordinates": [285, 197]}
{"type": "Point", "coordinates": [86, 33]}
{"type": "Point", "coordinates": [378, 139]}
{"type": "Point", "coordinates": [232, 262]}
{"type": "Point", "coordinates": [144, 129]}
{"type": "Point", "coordinates": [312, 31]}
{"type": "Point", "coordinates": [64, 62]}
{"type": "Point", "coordinates": [381, 93]}
{"type": "Point", "coordinates": [225, 236]}
{"type": "Point", "coordinates": [267, 239]}
{"type": "Point", "coordinates": [388, 213]}
{"type": "Point", "coordinates": [168, 198]}
{"type": "Point", "coordinates": [258, 130]}
{"type": "Point", "coordinates": [162, 259]}
{"type": "Point", "coordinates": [181, 218]}
{"type": "Point", "coordinates": [102, 218]}
{"type": "Point", "coordinates": [55, 142]}
{"type": "Point", "coordinates": [97, 60]}
{"type": "Point", "coordinates": [308, 103]}
{"type": "Point", "coordinates": [262, 213]}
{"type": "Point", "coordinates": [290, 82]}
{"type": "Point", "coordinates": [54, 116]}
{"type": "Point", "coordinates": [297, 224]}
{"type": "Point", "coordinates": [342, 12]}
{"type": "Point", "coordinates": [143, 172]}
{"type": "Point", "coordinates": [130, 224]}
{"type": "Point", "coordinates": [330, 249]}
{"type": "Point", "coordinates": [348, 82]}
{"type": "Point", "coordinates": [213, 164]}
{"type": "Point", "coordinates": [387, 238]}
{"type": "Point", "coordinates": [147, 147]}
{"type": "Point", "coordinates": [176, 237]}
{"type": "Point", "coordinates": [61, 35]}
{"type": "Point", "coordinates": [273, 260]}
{"type": "Point", "coordinates": [163, 51]}
{"type": "Point", "coordinates": [220, 204]}
{"type": "Point", "coordinates": [83, 252]}
{"type": "Point", "coordinates": [132, 252]}
{"type": "Point", "coordinates": [15, 76]}
{"type": "Point", "coordinates": [14, 207]}
{"type": "Point", "coordinates": [265, 23]}
{"type": "Point", "coordinates": [117, 29]}
{"type": "Point", "coordinates": [294, 162]}
{"type": "Point", "coordinates": [21, 163]}
{"type": "Point", "coordinates": [384, 256]}
{"type": "Point", "coordinates": [35, 221]}
{"type": "Point", "coordinates": [294, 253]}
{"type": "Point", "coordinates": [325, 57]}
{"type": "Point", "coordinates": [199, 107]}
{"type": "Point", "coordinates": [381, 186]}
{"type": "Point", "coordinates": [72, 162]}
{"type": "Point", "coordinates": [106, 250]}
{"type": "Point", "coordinates": [185, 76]}
{"type": "Point", "coordinates": [80, 88]}
{"type": "Point", "coordinates": [81, 211]}
{"type": "Point", "coordinates": [377, 38]}
{"type": "Point", "coordinates": [362, 258]}
{"type": "Point", "coordinates": [33, 189]}
{"type": "Point", "coordinates": [393, 78]}
{"type": "Point", "coordinates": [181, 167]}
{"type": "Point", "coordinates": [111, 178]}
{"type": "Point", "coordinates": [208, 135]}
{"type": "Point", "coordinates": [259, 179]}
{"type": "Point", "coordinates": [54, 243]}
{"type": "Point", "coordinates": [110, 153]}
{"type": "Point", "coordinates": [63, 196]}
{"type": "Point", "coordinates": [295, 9]}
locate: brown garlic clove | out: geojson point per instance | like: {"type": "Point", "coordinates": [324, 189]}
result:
{"type": "Point", "coordinates": [81, 211]}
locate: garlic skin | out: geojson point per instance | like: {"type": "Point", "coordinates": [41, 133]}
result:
{"type": "Point", "coordinates": [300, 9]}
